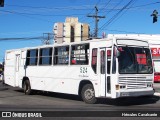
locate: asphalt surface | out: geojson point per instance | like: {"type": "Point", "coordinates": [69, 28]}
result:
{"type": "Point", "coordinates": [12, 99]}
{"type": "Point", "coordinates": [3, 86]}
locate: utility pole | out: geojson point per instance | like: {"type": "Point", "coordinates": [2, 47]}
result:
{"type": "Point", "coordinates": [47, 38]}
{"type": "Point", "coordinates": [96, 20]}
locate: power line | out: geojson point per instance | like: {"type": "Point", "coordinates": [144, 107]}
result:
{"type": "Point", "coordinates": [115, 6]}
{"type": "Point", "coordinates": [123, 31]}
{"type": "Point", "coordinates": [98, 2]}
{"type": "Point", "coordinates": [105, 5]}
{"type": "Point", "coordinates": [13, 12]}
{"type": "Point", "coordinates": [22, 38]}
{"type": "Point", "coordinates": [47, 37]}
{"type": "Point", "coordinates": [116, 15]}
{"type": "Point", "coordinates": [123, 13]}
{"type": "Point", "coordinates": [144, 5]}
{"type": "Point", "coordinates": [83, 7]}
{"type": "Point", "coordinates": [83, 18]}
{"type": "Point", "coordinates": [138, 6]}
{"type": "Point", "coordinates": [25, 15]}
{"type": "Point", "coordinates": [21, 33]}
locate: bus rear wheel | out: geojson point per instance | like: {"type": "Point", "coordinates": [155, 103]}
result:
{"type": "Point", "coordinates": [88, 94]}
{"type": "Point", "coordinates": [27, 87]}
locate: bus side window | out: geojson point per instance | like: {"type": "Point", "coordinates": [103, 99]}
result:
{"type": "Point", "coordinates": [32, 57]}
{"type": "Point", "coordinates": [80, 54]}
{"type": "Point", "coordinates": [61, 55]}
{"type": "Point", "coordinates": [108, 61]}
{"type": "Point", "coordinates": [45, 56]}
{"type": "Point", "coordinates": [102, 62]}
{"type": "Point", "coordinates": [94, 60]}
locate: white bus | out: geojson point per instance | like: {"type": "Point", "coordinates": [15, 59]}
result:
{"type": "Point", "coordinates": [113, 67]}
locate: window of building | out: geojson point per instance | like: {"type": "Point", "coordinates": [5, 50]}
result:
{"type": "Point", "coordinates": [80, 54]}
{"type": "Point", "coordinates": [72, 33]}
{"type": "Point", "coordinates": [32, 57]}
{"type": "Point", "coordinates": [45, 57]}
{"type": "Point", "coordinates": [94, 60]}
{"type": "Point", "coordinates": [61, 55]}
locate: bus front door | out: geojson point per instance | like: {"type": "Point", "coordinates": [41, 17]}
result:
{"type": "Point", "coordinates": [105, 68]}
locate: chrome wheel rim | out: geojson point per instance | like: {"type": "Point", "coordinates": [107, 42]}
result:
{"type": "Point", "coordinates": [89, 94]}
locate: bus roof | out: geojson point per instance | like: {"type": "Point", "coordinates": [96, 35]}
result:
{"type": "Point", "coordinates": [109, 39]}
{"type": "Point", "coordinates": [63, 44]}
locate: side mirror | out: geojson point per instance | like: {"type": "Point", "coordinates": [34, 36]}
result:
{"type": "Point", "coordinates": [116, 52]}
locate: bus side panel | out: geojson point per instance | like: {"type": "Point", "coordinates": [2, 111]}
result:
{"type": "Point", "coordinates": [22, 68]}
{"type": "Point", "coordinates": [9, 69]}
{"type": "Point", "coordinates": [62, 79]}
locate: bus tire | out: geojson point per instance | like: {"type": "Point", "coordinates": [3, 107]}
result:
{"type": "Point", "coordinates": [27, 87]}
{"type": "Point", "coordinates": [88, 94]}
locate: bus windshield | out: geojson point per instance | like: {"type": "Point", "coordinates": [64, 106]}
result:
{"type": "Point", "coordinates": [134, 60]}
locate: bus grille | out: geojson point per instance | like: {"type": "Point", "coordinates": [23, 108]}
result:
{"type": "Point", "coordinates": [134, 82]}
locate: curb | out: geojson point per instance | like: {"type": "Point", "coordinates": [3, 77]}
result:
{"type": "Point", "coordinates": [157, 94]}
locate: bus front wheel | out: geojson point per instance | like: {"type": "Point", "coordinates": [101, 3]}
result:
{"type": "Point", "coordinates": [27, 87]}
{"type": "Point", "coordinates": [88, 94]}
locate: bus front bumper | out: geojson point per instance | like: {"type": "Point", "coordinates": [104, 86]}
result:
{"type": "Point", "coordinates": [134, 94]}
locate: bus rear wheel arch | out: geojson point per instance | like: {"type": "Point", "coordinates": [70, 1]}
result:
{"type": "Point", "coordinates": [88, 94]}
{"type": "Point", "coordinates": [27, 87]}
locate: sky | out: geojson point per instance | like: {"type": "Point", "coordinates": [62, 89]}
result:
{"type": "Point", "coordinates": [33, 18]}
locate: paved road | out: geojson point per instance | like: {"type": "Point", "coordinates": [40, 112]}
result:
{"type": "Point", "coordinates": [10, 96]}
{"type": "Point", "coordinates": [13, 99]}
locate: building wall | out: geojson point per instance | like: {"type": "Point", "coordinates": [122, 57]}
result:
{"type": "Point", "coordinates": [71, 31]}
{"type": "Point", "coordinates": [85, 32]}
{"type": "Point", "coordinates": [58, 32]}
{"type": "Point", "coordinates": [78, 32]}
{"type": "Point", "coordinates": [55, 32]}
{"type": "Point", "coordinates": [67, 32]}
{"type": "Point", "coordinates": [73, 20]}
